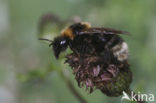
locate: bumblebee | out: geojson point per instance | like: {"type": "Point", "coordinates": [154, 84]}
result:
{"type": "Point", "coordinates": [80, 35]}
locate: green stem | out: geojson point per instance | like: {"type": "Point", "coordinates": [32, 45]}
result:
{"type": "Point", "coordinates": [72, 88]}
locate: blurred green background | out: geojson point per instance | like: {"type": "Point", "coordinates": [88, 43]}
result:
{"type": "Point", "coordinates": [22, 53]}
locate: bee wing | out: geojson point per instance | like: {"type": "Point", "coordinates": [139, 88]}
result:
{"type": "Point", "coordinates": [102, 31]}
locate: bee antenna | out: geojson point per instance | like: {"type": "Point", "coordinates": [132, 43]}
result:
{"type": "Point", "coordinates": [50, 44]}
{"type": "Point", "coordinates": [45, 39]}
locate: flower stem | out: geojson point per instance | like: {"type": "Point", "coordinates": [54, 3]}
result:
{"type": "Point", "coordinates": [72, 88]}
{"type": "Point", "coordinates": [75, 92]}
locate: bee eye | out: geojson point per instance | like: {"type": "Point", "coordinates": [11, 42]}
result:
{"type": "Point", "coordinates": [63, 42]}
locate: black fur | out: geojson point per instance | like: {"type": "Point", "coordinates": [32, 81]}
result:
{"type": "Point", "coordinates": [76, 28]}
{"type": "Point", "coordinates": [86, 43]}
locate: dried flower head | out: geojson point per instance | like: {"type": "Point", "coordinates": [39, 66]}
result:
{"type": "Point", "coordinates": [92, 71]}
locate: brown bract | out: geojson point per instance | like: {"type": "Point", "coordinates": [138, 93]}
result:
{"type": "Point", "coordinates": [93, 72]}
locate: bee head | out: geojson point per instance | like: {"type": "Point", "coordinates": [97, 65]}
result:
{"type": "Point", "coordinates": [59, 44]}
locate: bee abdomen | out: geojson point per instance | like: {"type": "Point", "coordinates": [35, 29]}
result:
{"type": "Point", "coordinates": [121, 51]}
